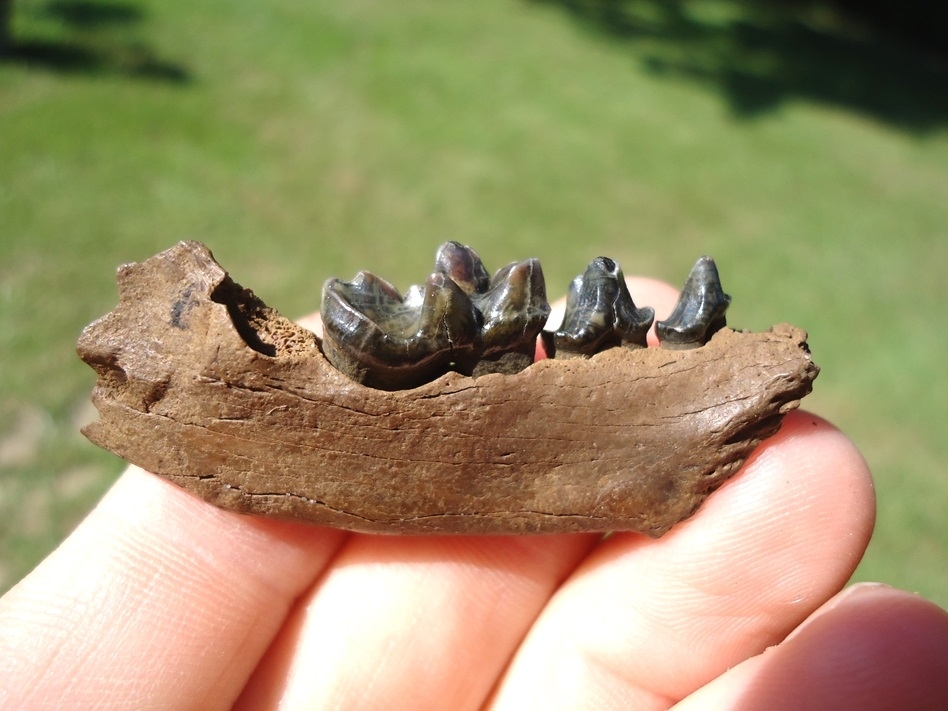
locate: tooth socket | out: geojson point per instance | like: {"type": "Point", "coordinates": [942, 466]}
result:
{"type": "Point", "coordinates": [699, 312]}
{"type": "Point", "coordinates": [600, 314]}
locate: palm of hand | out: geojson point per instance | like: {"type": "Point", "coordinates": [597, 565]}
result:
{"type": "Point", "coordinates": [159, 600]}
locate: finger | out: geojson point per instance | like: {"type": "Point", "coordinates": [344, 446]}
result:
{"type": "Point", "coordinates": [156, 596]}
{"type": "Point", "coordinates": [439, 614]}
{"type": "Point", "coordinates": [642, 623]}
{"type": "Point", "coordinates": [871, 647]}
{"type": "Point", "coordinates": [314, 322]}
{"type": "Point", "coordinates": [413, 623]}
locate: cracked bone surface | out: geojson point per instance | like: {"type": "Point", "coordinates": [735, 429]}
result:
{"type": "Point", "coordinates": [202, 383]}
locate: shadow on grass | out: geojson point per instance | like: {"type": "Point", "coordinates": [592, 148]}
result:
{"type": "Point", "coordinates": [82, 13]}
{"type": "Point", "coordinates": [761, 54]}
{"type": "Point", "coordinates": [95, 42]}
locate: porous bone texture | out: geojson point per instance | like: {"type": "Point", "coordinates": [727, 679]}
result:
{"type": "Point", "coordinates": [203, 384]}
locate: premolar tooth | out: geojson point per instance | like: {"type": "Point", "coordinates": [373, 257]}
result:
{"type": "Point", "coordinates": [600, 314]}
{"type": "Point", "coordinates": [700, 310]}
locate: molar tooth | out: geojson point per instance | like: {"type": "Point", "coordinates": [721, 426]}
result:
{"type": "Point", "coordinates": [372, 335]}
{"type": "Point", "coordinates": [700, 310]}
{"type": "Point", "coordinates": [355, 309]}
{"type": "Point", "coordinates": [448, 322]}
{"type": "Point", "coordinates": [464, 266]}
{"type": "Point", "coordinates": [350, 313]}
{"type": "Point", "coordinates": [514, 309]}
{"type": "Point", "coordinates": [600, 314]}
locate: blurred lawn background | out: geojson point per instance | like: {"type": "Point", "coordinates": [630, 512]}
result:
{"type": "Point", "coordinates": [301, 140]}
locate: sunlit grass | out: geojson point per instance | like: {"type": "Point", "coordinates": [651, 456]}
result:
{"type": "Point", "coordinates": [301, 141]}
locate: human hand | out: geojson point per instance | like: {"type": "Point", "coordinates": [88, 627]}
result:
{"type": "Point", "coordinates": [159, 600]}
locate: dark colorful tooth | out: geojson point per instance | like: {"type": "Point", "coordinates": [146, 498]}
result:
{"type": "Point", "coordinates": [387, 341]}
{"type": "Point", "coordinates": [700, 310]}
{"type": "Point", "coordinates": [600, 314]}
{"type": "Point", "coordinates": [461, 319]}
{"type": "Point", "coordinates": [514, 309]}
{"type": "Point", "coordinates": [464, 266]}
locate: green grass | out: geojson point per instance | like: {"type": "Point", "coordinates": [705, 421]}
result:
{"type": "Point", "coordinates": [305, 140]}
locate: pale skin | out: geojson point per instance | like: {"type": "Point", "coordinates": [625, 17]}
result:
{"type": "Point", "coordinates": [161, 601]}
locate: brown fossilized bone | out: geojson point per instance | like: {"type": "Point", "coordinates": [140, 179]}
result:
{"type": "Point", "coordinates": [203, 384]}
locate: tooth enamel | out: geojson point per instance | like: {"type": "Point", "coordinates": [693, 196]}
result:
{"type": "Point", "coordinates": [514, 310]}
{"type": "Point", "coordinates": [461, 319]}
{"type": "Point", "coordinates": [464, 266]}
{"type": "Point", "coordinates": [379, 338]}
{"type": "Point", "coordinates": [600, 314]}
{"type": "Point", "coordinates": [700, 310]}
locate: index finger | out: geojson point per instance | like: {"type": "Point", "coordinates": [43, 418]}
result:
{"type": "Point", "coordinates": [157, 595]}
{"type": "Point", "coordinates": [644, 623]}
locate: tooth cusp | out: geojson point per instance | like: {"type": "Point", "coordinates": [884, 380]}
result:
{"type": "Point", "coordinates": [600, 314]}
{"type": "Point", "coordinates": [464, 266]}
{"type": "Point", "coordinates": [377, 337]}
{"type": "Point", "coordinates": [699, 312]}
{"type": "Point", "coordinates": [463, 319]}
{"type": "Point", "coordinates": [514, 309]}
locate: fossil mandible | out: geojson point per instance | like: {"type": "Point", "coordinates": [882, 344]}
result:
{"type": "Point", "coordinates": [202, 383]}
